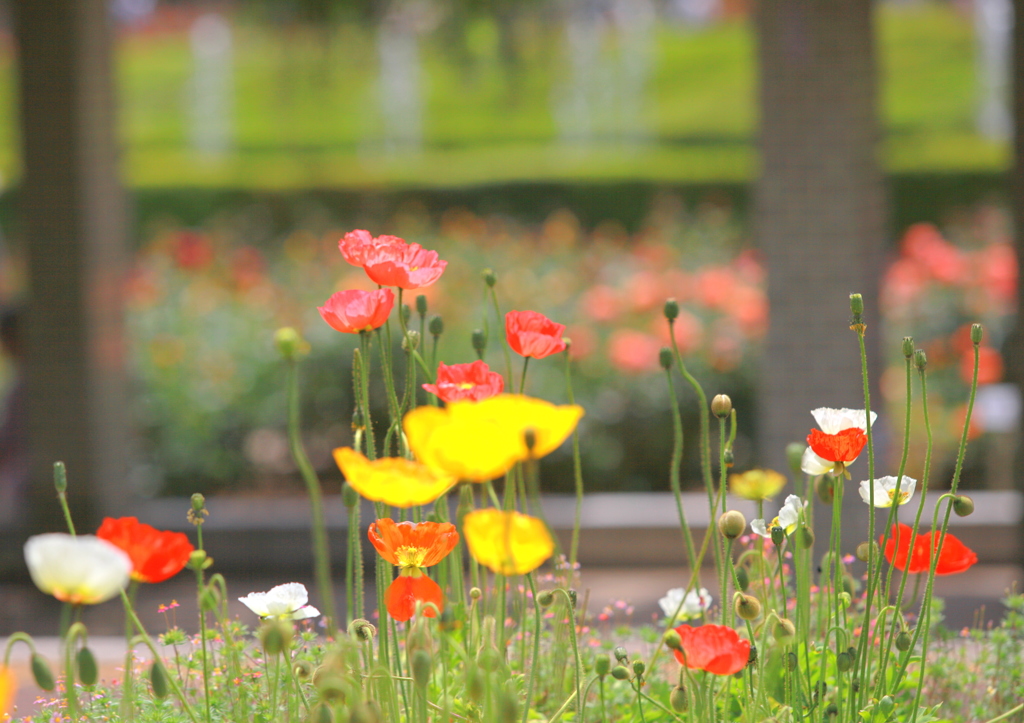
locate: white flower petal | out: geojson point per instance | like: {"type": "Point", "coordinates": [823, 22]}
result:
{"type": "Point", "coordinates": [695, 603]}
{"type": "Point", "coordinates": [758, 526]}
{"type": "Point", "coordinates": [814, 465]}
{"type": "Point", "coordinates": [284, 601]}
{"type": "Point", "coordinates": [886, 492]}
{"type": "Point", "coordinates": [82, 569]}
{"type": "Point", "coordinates": [834, 421]}
{"type": "Point", "coordinates": [306, 611]}
{"type": "Point", "coordinates": [670, 603]}
{"type": "Point", "coordinates": [257, 602]}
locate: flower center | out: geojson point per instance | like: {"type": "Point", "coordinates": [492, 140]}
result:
{"type": "Point", "coordinates": [466, 385]}
{"type": "Point", "coordinates": [409, 557]}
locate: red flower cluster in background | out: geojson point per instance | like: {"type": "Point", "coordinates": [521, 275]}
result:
{"type": "Point", "coordinates": [156, 556]}
{"type": "Point", "coordinates": [954, 556]}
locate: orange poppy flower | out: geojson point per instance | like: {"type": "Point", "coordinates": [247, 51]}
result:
{"type": "Point", "coordinates": [155, 555]}
{"type": "Point", "coordinates": [715, 648]}
{"type": "Point", "coordinates": [954, 557]}
{"type": "Point", "coordinates": [8, 685]}
{"type": "Point", "coordinates": [845, 446]}
{"type": "Point", "coordinates": [412, 546]}
{"type": "Point", "coordinates": [351, 312]}
{"type": "Point", "coordinates": [472, 382]}
{"type": "Point", "coordinates": [532, 334]}
{"type": "Point", "coordinates": [357, 245]}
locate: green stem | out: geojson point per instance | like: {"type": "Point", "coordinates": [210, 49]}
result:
{"type": "Point", "coordinates": [677, 458]}
{"type": "Point", "coordinates": [577, 470]}
{"type": "Point", "coordinates": [504, 340]}
{"type": "Point", "coordinates": [532, 675]}
{"type": "Point", "coordinates": [522, 379]}
{"type": "Point", "coordinates": [575, 649]}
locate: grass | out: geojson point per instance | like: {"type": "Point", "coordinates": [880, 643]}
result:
{"type": "Point", "coordinates": [307, 113]}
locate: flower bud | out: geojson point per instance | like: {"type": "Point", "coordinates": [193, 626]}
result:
{"type": "Point", "coordinates": [908, 347]}
{"type": "Point", "coordinates": [158, 679]}
{"type": "Point", "coordinates": [197, 559]}
{"type": "Point", "coordinates": [42, 673]}
{"type": "Point", "coordinates": [349, 496]}
{"type": "Point", "coordinates": [853, 653]}
{"type": "Point", "coordinates": [903, 641]}
{"type": "Point", "coordinates": [671, 309]}
{"type": "Point", "coordinates": [362, 629]}
{"type": "Point", "coordinates": [620, 672]}
{"type": "Point", "coordinates": [673, 641]}
{"type": "Point", "coordinates": [783, 631]}
{"type": "Point", "coordinates": [665, 358]}
{"type": "Point", "coordinates": [727, 457]}
{"type": "Point", "coordinates": [276, 636]}
{"type": "Point", "coordinates": [406, 314]}
{"type": "Point", "coordinates": [88, 670]}
{"type": "Point", "coordinates": [475, 593]}
{"type": "Point", "coordinates": [831, 710]}
{"type": "Point", "coordinates": [844, 663]}
{"type": "Point", "coordinates": [806, 537]}
{"type": "Point", "coordinates": [752, 655]}
{"type": "Point", "coordinates": [856, 306]}
{"type": "Point", "coordinates": [490, 278]}
{"type": "Point", "coordinates": [436, 325]}
{"type": "Point", "coordinates": [825, 488]}
{"type": "Point", "coordinates": [620, 654]}
{"type": "Point", "coordinates": [679, 700]}
{"type": "Point", "coordinates": [290, 343]}
{"type": "Point", "coordinates": [778, 535]}
{"type": "Point", "coordinates": [421, 305]}
{"type": "Point", "coordinates": [60, 477]}
{"type": "Point", "coordinates": [639, 667]}
{"type": "Point", "coordinates": [329, 685]}
{"type": "Point", "coordinates": [732, 524]}
{"type": "Point", "coordinates": [479, 340]}
{"type": "Point", "coordinates": [963, 505]}
{"type": "Point", "coordinates": [721, 406]}
{"type": "Point", "coordinates": [198, 503]}
{"type": "Point", "coordinates": [302, 669]}
{"type": "Point", "coordinates": [886, 704]}
{"type": "Point", "coordinates": [795, 456]}
{"type": "Point", "coordinates": [976, 334]}
{"type": "Point", "coordinates": [920, 360]}
{"type": "Point", "coordinates": [845, 600]}
{"type": "Point", "coordinates": [747, 607]}
{"type": "Point", "coordinates": [742, 578]}
{"type": "Point", "coordinates": [602, 665]}
{"type": "Point", "coordinates": [792, 661]}
{"type": "Point", "coordinates": [545, 598]}
{"type": "Point", "coordinates": [421, 664]}
{"type": "Point", "coordinates": [866, 549]}
{"type": "Point", "coordinates": [411, 341]}
{"type": "Point", "coordinates": [474, 684]}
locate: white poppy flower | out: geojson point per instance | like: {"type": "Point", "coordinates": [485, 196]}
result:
{"type": "Point", "coordinates": [832, 421]}
{"type": "Point", "coordinates": [887, 491]}
{"type": "Point", "coordinates": [787, 519]}
{"type": "Point", "coordinates": [82, 570]}
{"type": "Point", "coordinates": [694, 604]}
{"type": "Point", "coordinates": [284, 601]}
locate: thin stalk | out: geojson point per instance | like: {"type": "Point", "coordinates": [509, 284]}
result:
{"type": "Point", "coordinates": [60, 482]}
{"type": "Point", "coordinates": [577, 470]}
{"type": "Point", "coordinates": [677, 458]}
{"type": "Point", "coordinates": [532, 675]}
{"type": "Point", "coordinates": [504, 340]}
{"type": "Point", "coordinates": [575, 650]}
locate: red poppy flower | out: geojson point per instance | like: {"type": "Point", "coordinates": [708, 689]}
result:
{"type": "Point", "coordinates": [413, 544]}
{"type": "Point", "coordinates": [155, 555]}
{"type": "Point", "coordinates": [715, 648]}
{"type": "Point", "coordinates": [408, 266]}
{"type": "Point", "coordinates": [351, 312]}
{"type": "Point", "coordinates": [407, 590]}
{"type": "Point", "coordinates": [532, 334]}
{"type": "Point", "coordinates": [356, 245]}
{"type": "Point", "coordinates": [954, 556]}
{"type": "Point", "coordinates": [473, 381]}
{"type": "Point", "coordinates": [842, 447]}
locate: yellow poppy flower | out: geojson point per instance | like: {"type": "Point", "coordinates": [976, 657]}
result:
{"type": "Point", "coordinates": [507, 543]}
{"type": "Point", "coordinates": [756, 484]}
{"type": "Point", "coordinates": [479, 441]}
{"type": "Point", "coordinates": [394, 481]}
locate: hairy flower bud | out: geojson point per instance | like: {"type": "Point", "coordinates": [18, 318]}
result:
{"type": "Point", "coordinates": [721, 406]}
{"type": "Point", "coordinates": [60, 477]}
{"type": "Point", "coordinates": [406, 314]}
{"type": "Point", "coordinates": [844, 663]}
{"type": "Point", "coordinates": [963, 505]}
{"type": "Point", "coordinates": [475, 593]}
{"type": "Point", "coordinates": [88, 669]}
{"type": "Point", "coordinates": [673, 641]}
{"type": "Point", "coordinates": [806, 536]}
{"type": "Point", "coordinates": [679, 700]}
{"type": "Point", "coordinates": [479, 340]}
{"type": "Point", "coordinates": [620, 654]}
{"type": "Point", "coordinates": [856, 305]}
{"type": "Point", "coordinates": [545, 598]}
{"type": "Point", "coordinates": [865, 549]}
{"type": "Point", "coordinates": [290, 343]}
{"type": "Point", "coordinates": [620, 672]}
{"type": "Point", "coordinates": [747, 607]}
{"type": "Point", "coordinates": [421, 664]}
{"type": "Point", "coordinates": [665, 358]}
{"type": "Point", "coordinates": [778, 535]}
{"type": "Point", "coordinates": [920, 360]}
{"type": "Point", "coordinates": [158, 679]}
{"type": "Point", "coordinates": [908, 347]}
{"type": "Point", "coordinates": [349, 496]}
{"type": "Point", "coordinates": [742, 578]}
{"type": "Point", "coordinates": [886, 704]}
{"type": "Point", "coordinates": [671, 309]}
{"type": "Point", "coordinates": [784, 631]}
{"type": "Point", "coordinates": [490, 278]}
{"type": "Point", "coordinates": [903, 641]}
{"type": "Point", "coordinates": [276, 636]}
{"type": "Point", "coordinates": [976, 334]}
{"type": "Point", "coordinates": [421, 305]}
{"type": "Point", "coordinates": [42, 673]}
{"type": "Point", "coordinates": [411, 341]}
{"type": "Point", "coordinates": [602, 664]}
{"type": "Point", "coordinates": [362, 629]}
{"type": "Point", "coordinates": [732, 524]}
{"type": "Point", "coordinates": [436, 325]}
{"type": "Point", "coordinates": [639, 667]}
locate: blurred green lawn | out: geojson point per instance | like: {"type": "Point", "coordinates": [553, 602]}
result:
{"type": "Point", "coordinates": [306, 111]}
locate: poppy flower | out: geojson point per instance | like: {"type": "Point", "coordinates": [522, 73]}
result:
{"type": "Point", "coordinates": [756, 484]}
{"type": "Point", "coordinates": [954, 556]}
{"type": "Point", "coordinates": [8, 684]}
{"type": "Point", "coordinates": [532, 334]}
{"type": "Point", "coordinates": [888, 492]}
{"type": "Point", "coordinates": [407, 266]}
{"type": "Point", "coordinates": [156, 556]}
{"type": "Point", "coordinates": [480, 441]}
{"type": "Point", "coordinates": [412, 546]}
{"type": "Point", "coordinates": [287, 602]}
{"type": "Point", "coordinates": [394, 481]}
{"type": "Point", "coordinates": [357, 245]}
{"type": "Point", "coordinates": [787, 519]}
{"type": "Point", "coordinates": [473, 382]}
{"type": "Point", "coordinates": [715, 648]}
{"type": "Point", "coordinates": [838, 442]}
{"type": "Point", "coordinates": [351, 312]}
{"type": "Point", "coordinates": [507, 543]}
{"type": "Point", "coordinates": [690, 605]}
{"type": "Point", "coordinates": [82, 570]}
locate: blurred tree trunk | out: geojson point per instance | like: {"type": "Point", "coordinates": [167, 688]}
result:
{"type": "Point", "coordinates": [73, 221]}
{"type": "Point", "coordinates": [819, 220]}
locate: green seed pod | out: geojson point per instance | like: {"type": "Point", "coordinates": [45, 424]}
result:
{"type": "Point", "coordinates": [963, 505]}
{"type": "Point", "coordinates": [620, 654]}
{"type": "Point", "coordinates": [602, 665]}
{"type": "Point", "coordinates": [545, 598]}
{"type": "Point", "coordinates": [747, 607]}
{"type": "Point", "coordinates": [671, 309]}
{"type": "Point", "coordinates": [60, 477]}
{"type": "Point", "coordinates": [825, 489]}
{"type": "Point", "coordinates": [831, 710]}
{"type": "Point", "coordinates": [620, 672]}
{"type": "Point", "coordinates": [665, 358]}
{"type": "Point", "coordinates": [421, 665]}
{"type": "Point", "coordinates": [490, 278]}
{"type": "Point", "coordinates": [679, 700]}
{"type": "Point", "coordinates": [856, 305]}
{"type": "Point", "coordinates": [778, 535]}
{"type": "Point", "coordinates": [479, 341]}
{"type": "Point", "coordinates": [436, 325]}
{"type": "Point", "coordinates": [903, 642]}
{"type": "Point", "coordinates": [639, 667]}
{"type": "Point", "coordinates": [844, 663]}
{"type": "Point", "coordinates": [673, 641]}
{"type": "Point", "coordinates": [886, 704]}
{"type": "Point", "coordinates": [721, 406]}
{"type": "Point", "coordinates": [743, 578]}
{"type": "Point", "coordinates": [42, 673]}
{"type": "Point", "coordinates": [421, 305]}
{"type": "Point", "coordinates": [290, 343]}
{"type": "Point", "coordinates": [732, 524]}
{"type": "Point", "coordinates": [976, 334]}
{"type": "Point", "coordinates": [88, 670]}
{"type": "Point", "coordinates": [920, 360]}
{"type": "Point", "coordinates": [908, 347]}
{"type": "Point", "coordinates": [158, 679]}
